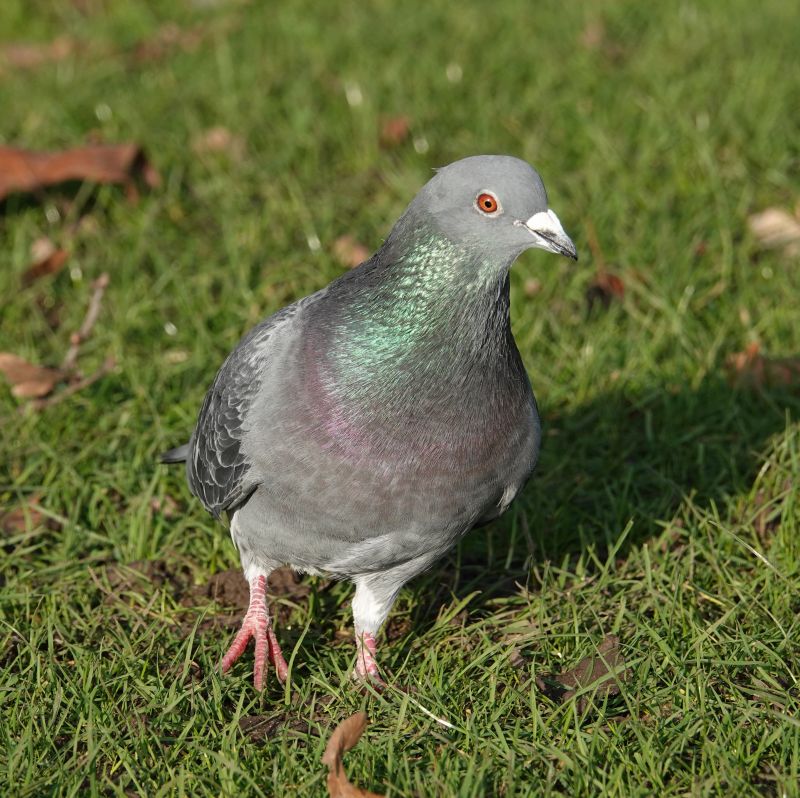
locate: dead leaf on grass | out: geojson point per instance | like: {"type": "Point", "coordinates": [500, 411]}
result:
{"type": "Point", "coordinates": [604, 288]}
{"type": "Point", "coordinates": [18, 519]}
{"type": "Point", "coordinates": [344, 737]}
{"type": "Point", "coordinates": [29, 171]}
{"type": "Point", "coordinates": [37, 382]}
{"type": "Point", "coordinates": [349, 252]}
{"type": "Point", "coordinates": [776, 228]}
{"type": "Point", "coordinates": [47, 259]}
{"type": "Point", "coordinates": [394, 131]}
{"type": "Point", "coordinates": [751, 369]}
{"type": "Point", "coordinates": [27, 380]}
{"type": "Point", "coordinates": [606, 669]}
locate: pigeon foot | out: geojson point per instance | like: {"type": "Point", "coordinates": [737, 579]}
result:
{"type": "Point", "coordinates": [257, 624]}
{"type": "Point", "coordinates": [366, 664]}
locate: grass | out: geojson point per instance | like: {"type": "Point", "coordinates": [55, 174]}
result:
{"type": "Point", "coordinates": [665, 506]}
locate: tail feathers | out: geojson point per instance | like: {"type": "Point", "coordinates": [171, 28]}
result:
{"type": "Point", "coordinates": [176, 455]}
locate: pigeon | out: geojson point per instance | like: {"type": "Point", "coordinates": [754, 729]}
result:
{"type": "Point", "coordinates": [360, 432]}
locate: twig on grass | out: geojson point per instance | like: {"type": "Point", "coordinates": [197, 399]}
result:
{"type": "Point", "coordinates": [92, 312]}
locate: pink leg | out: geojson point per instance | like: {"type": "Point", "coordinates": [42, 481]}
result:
{"type": "Point", "coordinates": [256, 624]}
{"type": "Point", "coordinates": [366, 665]}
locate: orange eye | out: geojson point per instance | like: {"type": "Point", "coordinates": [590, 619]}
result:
{"type": "Point", "coordinates": [487, 203]}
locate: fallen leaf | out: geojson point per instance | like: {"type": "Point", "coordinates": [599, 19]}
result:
{"type": "Point", "coordinates": [751, 369]}
{"type": "Point", "coordinates": [31, 171]}
{"type": "Point", "coordinates": [219, 139]}
{"type": "Point", "coordinates": [394, 130]}
{"type": "Point", "coordinates": [604, 288]}
{"type": "Point", "coordinates": [27, 380]}
{"type": "Point", "coordinates": [344, 737]}
{"type": "Point", "coordinates": [47, 259]}
{"type": "Point", "coordinates": [776, 228]}
{"type": "Point", "coordinates": [31, 56]}
{"type": "Point", "coordinates": [349, 252]}
{"type": "Point", "coordinates": [18, 519]}
{"type": "Point", "coordinates": [606, 669]}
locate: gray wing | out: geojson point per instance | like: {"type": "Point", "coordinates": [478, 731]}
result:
{"type": "Point", "coordinates": [216, 466]}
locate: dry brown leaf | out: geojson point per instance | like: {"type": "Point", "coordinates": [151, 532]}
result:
{"type": "Point", "coordinates": [606, 668]}
{"type": "Point", "coordinates": [31, 171]}
{"type": "Point", "coordinates": [751, 369]}
{"type": "Point", "coordinates": [344, 737]}
{"type": "Point", "coordinates": [27, 380]}
{"type": "Point", "coordinates": [17, 520]}
{"type": "Point", "coordinates": [604, 288]}
{"type": "Point", "coordinates": [219, 139]}
{"type": "Point", "coordinates": [349, 252]}
{"type": "Point", "coordinates": [31, 56]}
{"type": "Point", "coordinates": [47, 259]}
{"type": "Point", "coordinates": [394, 130]}
{"type": "Point", "coordinates": [776, 228]}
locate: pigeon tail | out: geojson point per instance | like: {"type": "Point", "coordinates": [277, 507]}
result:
{"type": "Point", "coordinates": [176, 455]}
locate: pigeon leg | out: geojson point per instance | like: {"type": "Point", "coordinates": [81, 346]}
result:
{"type": "Point", "coordinates": [366, 664]}
{"type": "Point", "coordinates": [257, 624]}
{"type": "Point", "coordinates": [371, 605]}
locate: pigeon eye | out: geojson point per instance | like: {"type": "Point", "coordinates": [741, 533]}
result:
{"type": "Point", "coordinates": [487, 203]}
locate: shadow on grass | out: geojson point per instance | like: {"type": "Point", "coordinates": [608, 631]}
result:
{"type": "Point", "coordinates": [626, 456]}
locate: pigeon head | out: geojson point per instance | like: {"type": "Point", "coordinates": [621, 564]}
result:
{"type": "Point", "coordinates": [495, 205]}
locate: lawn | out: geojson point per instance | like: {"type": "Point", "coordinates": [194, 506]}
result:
{"type": "Point", "coordinates": [664, 509]}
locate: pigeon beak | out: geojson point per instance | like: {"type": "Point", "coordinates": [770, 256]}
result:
{"type": "Point", "coordinates": [549, 234]}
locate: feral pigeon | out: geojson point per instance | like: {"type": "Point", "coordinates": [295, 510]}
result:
{"type": "Point", "coordinates": [362, 431]}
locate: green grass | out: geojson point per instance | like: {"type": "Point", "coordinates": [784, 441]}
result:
{"type": "Point", "coordinates": [665, 506]}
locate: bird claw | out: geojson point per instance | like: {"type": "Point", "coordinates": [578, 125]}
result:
{"type": "Point", "coordinates": [256, 624]}
{"type": "Point", "coordinates": [366, 670]}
